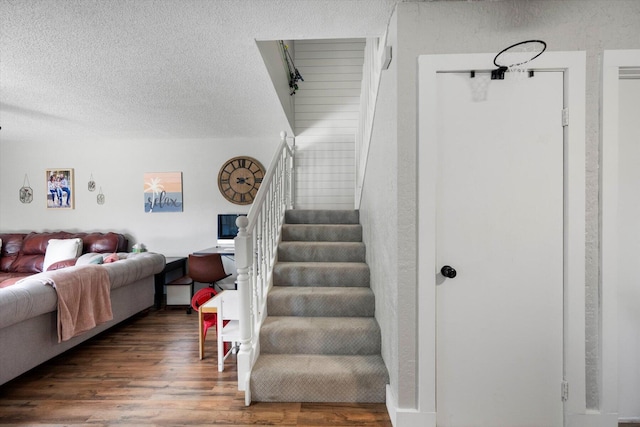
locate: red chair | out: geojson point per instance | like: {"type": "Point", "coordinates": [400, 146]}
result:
{"type": "Point", "coordinates": [208, 319]}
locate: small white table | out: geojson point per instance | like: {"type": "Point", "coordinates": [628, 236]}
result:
{"type": "Point", "coordinates": [225, 304]}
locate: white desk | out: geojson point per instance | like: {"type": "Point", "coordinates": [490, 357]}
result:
{"type": "Point", "coordinates": [222, 250]}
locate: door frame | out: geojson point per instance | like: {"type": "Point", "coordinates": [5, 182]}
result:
{"type": "Point", "coordinates": [573, 66]}
{"type": "Point", "coordinates": [612, 62]}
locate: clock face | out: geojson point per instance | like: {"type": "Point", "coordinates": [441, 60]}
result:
{"type": "Point", "coordinates": [239, 179]}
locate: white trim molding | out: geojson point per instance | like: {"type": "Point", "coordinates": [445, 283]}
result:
{"type": "Point", "coordinates": [613, 61]}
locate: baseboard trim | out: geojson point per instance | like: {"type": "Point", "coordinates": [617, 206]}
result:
{"type": "Point", "coordinates": [407, 417]}
{"type": "Point", "coordinates": [410, 417]}
{"type": "Point", "coordinates": [592, 420]}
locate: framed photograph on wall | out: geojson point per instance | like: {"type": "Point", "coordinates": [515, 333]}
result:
{"type": "Point", "coordinates": [59, 188]}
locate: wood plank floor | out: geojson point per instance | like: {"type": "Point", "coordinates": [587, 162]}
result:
{"type": "Point", "coordinates": [145, 372]}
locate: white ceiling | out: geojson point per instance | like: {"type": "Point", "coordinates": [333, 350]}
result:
{"type": "Point", "coordinates": [156, 69]}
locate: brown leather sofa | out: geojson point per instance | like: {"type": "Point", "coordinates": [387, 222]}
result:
{"type": "Point", "coordinates": [22, 254]}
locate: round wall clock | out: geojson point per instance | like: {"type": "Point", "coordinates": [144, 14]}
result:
{"type": "Point", "coordinates": [239, 179]}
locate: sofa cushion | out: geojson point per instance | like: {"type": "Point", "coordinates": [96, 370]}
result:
{"type": "Point", "coordinates": [11, 244]}
{"type": "Point", "coordinates": [31, 254]}
{"type": "Point", "coordinates": [104, 242]}
{"type": "Point", "coordinates": [60, 250]}
{"type": "Point", "coordinates": [37, 243]}
{"type": "Point", "coordinates": [27, 264]}
{"type": "Point", "coordinates": [24, 253]}
{"type": "Point", "coordinates": [62, 264]}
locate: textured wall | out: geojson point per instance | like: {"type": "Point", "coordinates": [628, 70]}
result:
{"type": "Point", "coordinates": [118, 167]}
{"type": "Point", "coordinates": [380, 221]}
{"type": "Point", "coordinates": [479, 27]}
{"type": "Point", "coordinates": [490, 26]}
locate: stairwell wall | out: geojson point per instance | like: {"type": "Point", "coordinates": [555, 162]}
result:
{"type": "Point", "coordinates": [326, 119]}
{"type": "Point", "coordinates": [387, 215]}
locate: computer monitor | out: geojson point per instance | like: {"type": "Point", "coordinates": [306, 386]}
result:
{"type": "Point", "coordinates": [227, 228]}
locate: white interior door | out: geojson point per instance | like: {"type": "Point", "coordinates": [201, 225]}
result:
{"type": "Point", "coordinates": [499, 345]}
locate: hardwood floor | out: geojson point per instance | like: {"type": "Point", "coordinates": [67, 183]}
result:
{"type": "Point", "coordinates": [146, 371]}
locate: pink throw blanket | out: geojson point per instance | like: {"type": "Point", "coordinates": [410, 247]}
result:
{"type": "Point", "coordinates": [84, 299]}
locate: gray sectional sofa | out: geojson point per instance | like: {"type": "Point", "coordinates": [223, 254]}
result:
{"type": "Point", "coordinates": [28, 311]}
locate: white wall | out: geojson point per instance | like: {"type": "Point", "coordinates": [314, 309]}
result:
{"type": "Point", "coordinates": [629, 251]}
{"type": "Point", "coordinates": [326, 119]}
{"type": "Point", "coordinates": [118, 167]}
{"type": "Point", "coordinates": [481, 27]}
{"type": "Point", "coordinates": [272, 56]}
{"type": "Point", "coordinates": [379, 218]}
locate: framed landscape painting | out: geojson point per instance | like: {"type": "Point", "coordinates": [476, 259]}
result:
{"type": "Point", "coordinates": [60, 192]}
{"type": "Point", "coordinates": [163, 192]}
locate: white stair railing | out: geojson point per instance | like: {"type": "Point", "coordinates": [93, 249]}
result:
{"type": "Point", "coordinates": [255, 254]}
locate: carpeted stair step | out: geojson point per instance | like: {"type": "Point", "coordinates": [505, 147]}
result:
{"type": "Point", "coordinates": [321, 274]}
{"type": "Point", "coordinates": [322, 232]}
{"type": "Point", "coordinates": [320, 341]}
{"type": "Point", "coordinates": [320, 335]}
{"type": "Point", "coordinates": [302, 216]}
{"type": "Point", "coordinates": [321, 251]}
{"type": "Point", "coordinates": [320, 301]}
{"type": "Point", "coordinates": [319, 378]}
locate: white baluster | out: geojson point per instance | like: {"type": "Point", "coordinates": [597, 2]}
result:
{"type": "Point", "coordinates": [243, 259]}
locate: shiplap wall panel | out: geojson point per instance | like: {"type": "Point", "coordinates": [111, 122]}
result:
{"type": "Point", "coordinates": [326, 109]}
{"type": "Point", "coordinates": [317, 77]}
{"type": "Point", "coordinates": [349, 84]}
{"type": "Point", "coordinates": [310, 108]}
{"type": "Point", "coordinates": [328, 115]}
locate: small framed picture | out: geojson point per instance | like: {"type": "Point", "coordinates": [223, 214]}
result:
{"type": "Point", "coordinates": [162, 192]}
{"type": "Point", "coordinates": [59, 188]}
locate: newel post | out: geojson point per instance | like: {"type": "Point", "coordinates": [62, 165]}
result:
{"type": "Point", "coordinates": [244, 261]}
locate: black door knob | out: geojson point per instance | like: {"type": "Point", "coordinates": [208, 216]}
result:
{"type": "Point", "coordinates": [448, 271]}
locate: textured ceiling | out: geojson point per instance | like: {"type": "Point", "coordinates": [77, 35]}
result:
{"type": "Point", "coordinates": [156, 69]}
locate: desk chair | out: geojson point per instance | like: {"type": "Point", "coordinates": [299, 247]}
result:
{"type": "Point", "coordinates": [206, 268]}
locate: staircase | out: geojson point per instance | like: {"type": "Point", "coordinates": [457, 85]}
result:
{"type": "Point", "coordinates": [320, 341]}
